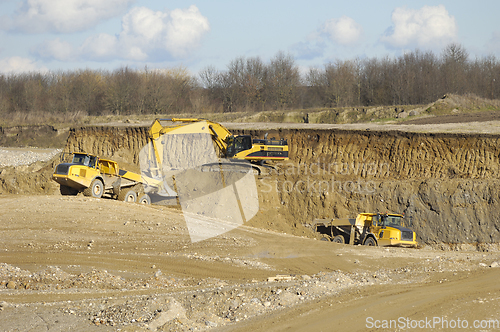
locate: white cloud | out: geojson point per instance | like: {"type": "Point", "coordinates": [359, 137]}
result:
{"type": "Point", "coordinates": [184, 30]}
{"type": "Point", "coordinates": [146, 32]}
{"type": "Point", "coordinates": [344, 30]}
{"type": "Point", "coordinates": [17, 64]}
{"type": "Point", "coordinates": [56, 49]}
{"type": "Point", "coordinates": [65, 16]}
{"type": "Point", "coordinates": [144, 23]}
{"type": "Point", "coordinates": [145, 35]}
{"type": "Point", "coordinates": [100, 47]}
{"type": "Point", "coordinates": [429, 26]}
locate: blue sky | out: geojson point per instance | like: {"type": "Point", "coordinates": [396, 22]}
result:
{"type": "Point", "coordinates": [53, 35]}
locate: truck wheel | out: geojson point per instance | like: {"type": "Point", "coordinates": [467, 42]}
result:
{"type": "Point", "coordinates": [325, 239]}
{"type": "Point", "coordinates": [370, 242]}
{"type": "Point", "coordinates": [96, 189]}
{"type": "Point", "coordinates": [144, 199]}
{"type": "Point", "coordinates": [67, 191]}
{"type": "Point", "coordinates": [128, 195]}
{"type": "Point", "coordinates": [338, 239]}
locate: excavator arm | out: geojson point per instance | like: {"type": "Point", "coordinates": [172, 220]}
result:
{"type": "Point", "coordinates": [218, 132]}
{"type": "Point", "coordinates": [237, 148]}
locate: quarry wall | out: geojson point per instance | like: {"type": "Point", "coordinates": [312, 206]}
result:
{"type": "Point", "coordinates": [447, 183]}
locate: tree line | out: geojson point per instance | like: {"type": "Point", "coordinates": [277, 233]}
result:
{"type": "Point", "coordinates": [250, 85]}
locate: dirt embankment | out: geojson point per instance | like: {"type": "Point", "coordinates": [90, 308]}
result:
{"type": "Point", "coordinates": [117, 143]}
{"type": "Point", "coordinates": [448, 183]}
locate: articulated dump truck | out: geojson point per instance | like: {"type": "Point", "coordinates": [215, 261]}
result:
{"type": "Point", "coordinates": [371, 229]}
{"type": "Point", "coordinates": [97, 177]}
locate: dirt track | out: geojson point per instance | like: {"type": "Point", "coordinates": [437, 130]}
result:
{"type": "Point", "coordinates": [87, 264]}
{"type": "Point", "coordinates": [457, 118]}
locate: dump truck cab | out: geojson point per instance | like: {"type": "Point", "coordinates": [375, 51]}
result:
{"type": "Point", "coordinates": [371, 229]}
{"type": "Point", "coordinates": [85, 160]}
{"type": "Point", "coordinates": [78, 174]}
{"type": "Point", "coordinates": [393, 230]}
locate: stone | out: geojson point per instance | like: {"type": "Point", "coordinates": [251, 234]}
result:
{"type": "Point", "coordinates": [402, 115]}
{"type": "Point", "coordinates": [494, 264]}
{"type": "Point", "coordinates": [210, 324]}
{"type": "Point", "coordinates": [11, 285]}
{"type": "Point", "coordinates": [174, 311]}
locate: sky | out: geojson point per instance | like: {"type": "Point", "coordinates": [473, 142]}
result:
{"type": "Point", "coordinates": [71, 35]}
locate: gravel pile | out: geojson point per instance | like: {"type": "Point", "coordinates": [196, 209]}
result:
{"type": "Point", "coordinates": [19, 157]}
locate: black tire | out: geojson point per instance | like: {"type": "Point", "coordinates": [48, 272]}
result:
{"type": "Point", "coordinates": [370, 242]}
{"type": "Point", "coordinates": [144, 199]}
{"type": "Point", "coordinates": [325, 239]}
{"type": "Point", "coordinates": [67, 191]}
{"type": "Point", "coordinates": [127, 195]}
{"type": "Point", "coordinates": [338, 239]}
{"type": "Point", "coordinates": [96, 189]}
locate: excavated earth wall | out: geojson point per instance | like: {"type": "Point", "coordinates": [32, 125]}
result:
{"type": "Point", "coordinates": [447, 183]}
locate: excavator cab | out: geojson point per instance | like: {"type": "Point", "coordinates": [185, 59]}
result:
{"type": "Point", "coordinates": [236, 144]}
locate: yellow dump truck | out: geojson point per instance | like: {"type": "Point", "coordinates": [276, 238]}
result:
{"type": "Point", "coordinates": [97, 177]}
{"type": "Point", "coordinates": [369, 229]}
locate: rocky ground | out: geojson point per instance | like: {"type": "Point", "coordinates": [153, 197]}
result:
{"type": "Point", "coordinates": [25, 156]}
{"type": "Point", "coordinates": [96, 264]}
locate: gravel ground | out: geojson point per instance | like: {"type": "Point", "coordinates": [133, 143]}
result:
{"type": "Point", "coordinates": [25, 156]}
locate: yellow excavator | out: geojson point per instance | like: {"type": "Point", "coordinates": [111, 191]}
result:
{"type": "Point", "coordinates": [233, 147]}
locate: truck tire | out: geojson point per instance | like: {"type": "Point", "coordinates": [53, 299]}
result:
{"type": "Point", "coordinates": [67, 191]}
{"type": "Point", "coordinates": [325, 238]}
{"type": "Point", "coordinates": [370, 242]}
{"type": "Point", "coordinates": [96, 189]}
{"type": "Point", "coordinates": [144, 199]}
{"type": "Point", "coordinates": [338, 239]}
{"type": "Point", "coordinates": [127, 195]}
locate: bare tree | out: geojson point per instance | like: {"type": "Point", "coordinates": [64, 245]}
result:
{"type": "Point", "coordinates": [212, 81]}
{"type": "Point", "coordinates": [122, 93]}
{"type": "Point", "coordinates": [282, 80]}
{"type": "Point", "coordinates": [454, 68]}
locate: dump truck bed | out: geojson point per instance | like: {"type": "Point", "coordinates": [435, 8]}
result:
{"type": "Point", "coordinates": [359, 221]}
